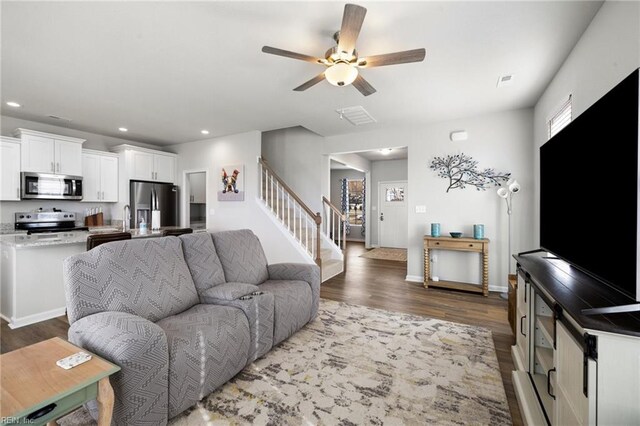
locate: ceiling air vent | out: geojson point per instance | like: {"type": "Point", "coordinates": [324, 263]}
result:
{"type": "Point", "coordinates": [56, 117]}
{"type": "Point", "coordinates": [356, 115]}
{"type": "Point", "coordinates": [505, 80]}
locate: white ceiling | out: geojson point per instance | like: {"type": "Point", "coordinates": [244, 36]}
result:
{"type": "Point", "coordinates": [166, 70]}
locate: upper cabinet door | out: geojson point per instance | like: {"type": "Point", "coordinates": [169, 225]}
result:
{"type": "Point", "coordinates": [164, 166]}
{"type": "Point", "coordinates": [68, 158]}
{"type": "Point", "coordinates": [38, 154]}
{"type": "Point", "coordinates": [109, 178]}
{"type": "Point", "coordinates": [9, 171]}
{"type": "Point", "coordinates": [142, 164]}
{"type": "Point", "coordinates": [91, 177]}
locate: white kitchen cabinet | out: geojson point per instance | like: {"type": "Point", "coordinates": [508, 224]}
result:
{"type": "Point", "coordinates": [9, 169]}
{"type": "Point", "coordinates": [68, 156]}
{"type": "Point", "coordinates": [142, 166]}
{"type": "Point", "coordinates": [164, 167]}
{"type": "Point", "coordinates": [197, 188]}
{"type": "Point", "coordinates": [99, 176]}
{"type": "Point", "coordinates": [49, 153]}
{"type": "Point", "coordinates": [147, 164]}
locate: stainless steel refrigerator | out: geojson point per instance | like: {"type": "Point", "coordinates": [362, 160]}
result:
{"type": "Point", "coordinates": [148, 196]}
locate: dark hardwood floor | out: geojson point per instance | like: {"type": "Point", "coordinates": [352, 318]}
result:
{"type": "Point", "coordinates": [381, 284]}
{"type": "Point", "coordinates": [370, 282]}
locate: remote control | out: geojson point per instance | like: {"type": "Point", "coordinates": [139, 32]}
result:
{"type": "Point", "coordinates": [73, 360]}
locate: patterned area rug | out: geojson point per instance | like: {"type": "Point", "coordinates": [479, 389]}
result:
{"type": "Point", "coordinates": [355, 365]}
{"type": "Point", "coordinates": [384, 253]}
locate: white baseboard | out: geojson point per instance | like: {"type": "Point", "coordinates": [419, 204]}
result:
{"type": "Point", "coordinates": [32, 319]}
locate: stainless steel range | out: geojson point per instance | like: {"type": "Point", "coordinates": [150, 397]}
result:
{"type": "Point", "coordinates": [48, 221]}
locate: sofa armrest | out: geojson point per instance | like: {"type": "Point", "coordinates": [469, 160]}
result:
{"type": "Point", "coordinates": [140, 348]}
{"type": "Point", "coordinates": [300, 272]}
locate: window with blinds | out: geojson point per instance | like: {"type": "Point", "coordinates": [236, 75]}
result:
{"type": "Point", "coordinates": [560, 119]}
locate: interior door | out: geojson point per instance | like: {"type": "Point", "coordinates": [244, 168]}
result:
{"type": "Point", "coordinates": [392, 214]}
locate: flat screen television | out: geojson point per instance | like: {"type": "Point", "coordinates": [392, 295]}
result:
{"type": "Point", "coordinates": [597, 149]}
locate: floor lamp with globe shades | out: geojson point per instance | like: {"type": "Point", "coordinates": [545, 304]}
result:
{"type": "Point", "coordinates": [512, 187]}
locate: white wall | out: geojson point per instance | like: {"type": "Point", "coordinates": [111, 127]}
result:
{"type": "Point", "coordinates": [295, 154]}
{"type": "Point", "coordinates": [336, 196]}
{"type": "Point", "coordinates": [607, 52]}
{"type": "Point", "coordinates": [212, 155]}
{"type": "Point", "coordinates": [93, 141]}
{"type": "Point", "coordinates": [500, 140]}
{"type": "Point", "coordinates": [383, 171]}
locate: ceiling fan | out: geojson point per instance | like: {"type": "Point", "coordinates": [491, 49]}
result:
{"type": "Point", "coordinates": [342, 61]}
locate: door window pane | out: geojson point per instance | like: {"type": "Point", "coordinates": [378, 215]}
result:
{"type": "Point", "coordinates": [394, 194]}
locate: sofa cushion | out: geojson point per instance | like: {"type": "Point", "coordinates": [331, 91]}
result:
{"type": "Point", "coordinates": [202, 260]}
{"type": "Point", "coordinates": [227, 291]}
{"type": "Point", "coordinates": [147, 277]}
{"type": "Point", "coordinates": [208, 345]}
{"type": "Point", "coordinates": [292, 306]}
{"type": "Point", "coordinates": [241, 255]}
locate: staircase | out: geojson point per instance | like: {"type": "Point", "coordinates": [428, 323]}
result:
{"type": "Point", "coordinates": [321, 243]}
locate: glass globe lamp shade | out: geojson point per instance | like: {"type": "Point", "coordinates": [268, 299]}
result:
{"type": "Point", "coordinates": [341, 74]}
{"type": "Point", "coordinates": [503, 192]}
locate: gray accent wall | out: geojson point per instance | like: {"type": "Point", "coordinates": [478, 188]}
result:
{"type": "Point", "coordinates": [295, 154]}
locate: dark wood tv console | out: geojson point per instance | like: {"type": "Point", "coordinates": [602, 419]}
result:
{"type": "Point", "coordinates": [573, 365]}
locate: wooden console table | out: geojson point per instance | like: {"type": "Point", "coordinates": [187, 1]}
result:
{"type": "Point", "coordinates": [457, 244]}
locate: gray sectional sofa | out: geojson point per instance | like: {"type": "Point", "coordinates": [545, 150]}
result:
{"type": "Point", "coordinates": [182, 315]}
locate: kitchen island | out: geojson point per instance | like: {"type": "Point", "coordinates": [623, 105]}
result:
{"type": "Point", "coordinates": [31, 281]}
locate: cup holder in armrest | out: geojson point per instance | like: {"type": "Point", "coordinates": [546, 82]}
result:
{"type": "Point", "coordinates": [246, 297]}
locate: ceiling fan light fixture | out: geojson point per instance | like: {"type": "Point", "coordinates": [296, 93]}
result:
{"type": "Point", "coordinates": [341, 74]}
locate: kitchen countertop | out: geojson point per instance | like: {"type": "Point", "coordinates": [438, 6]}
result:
{"type": "Point", "coordinates": [74, 237]}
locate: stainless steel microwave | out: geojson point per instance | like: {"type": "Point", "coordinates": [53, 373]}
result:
{"type": "Point", "coordinates": [45, 186]}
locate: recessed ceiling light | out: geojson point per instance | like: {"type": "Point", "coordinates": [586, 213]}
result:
{"type": "Point", "coordinates": [385, 151]}
{"type": "Point", "coordinates": [123, 129]}
{"type": "Point", "coordinates": [14, 104]}
{"type": "Point", "coordinates": [204, 132]}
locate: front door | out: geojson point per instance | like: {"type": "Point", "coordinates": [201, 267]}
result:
{"type": "Point", "coordinates": [392, 214]}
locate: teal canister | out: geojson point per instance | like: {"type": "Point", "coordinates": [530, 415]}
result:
{"type": "Point", "coordinates": [478, 231]}
{"type": "Point", "coordinates": [435, 229]}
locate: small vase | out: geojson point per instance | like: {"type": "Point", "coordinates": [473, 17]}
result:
{"type": "Point", "coordinates": [435, 229]}
{"type": "Point", "coordinates": [478, 231]}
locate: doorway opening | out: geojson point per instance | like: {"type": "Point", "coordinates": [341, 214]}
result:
{"type": "Point", "coordinates": [194, 197]}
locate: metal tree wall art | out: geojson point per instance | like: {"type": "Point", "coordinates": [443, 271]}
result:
{"type": "Point", "coordinates": [462, 170]}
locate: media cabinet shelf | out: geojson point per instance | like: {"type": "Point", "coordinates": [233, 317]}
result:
{"type": "Point", "coordinates": [574, 291]}
{"type": "Point", "coordinates": [544, 356]}
{"type": "Point", "coordinates": [546, 327]}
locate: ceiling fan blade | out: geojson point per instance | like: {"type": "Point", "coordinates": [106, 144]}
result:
{"type": "Point", "coordinates": [289, 54]}
{"type": "Point", "coordinates": [351, 24]}
{"type": "Point", "coordinates": [363, 86]}
{"type": "Point", "coordinates": [315, 80]}
{"type": "Point", "coordinates": [415, 55]}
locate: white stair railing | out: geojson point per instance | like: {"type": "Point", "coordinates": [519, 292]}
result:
{"type": "Point", "coordinates": [334, 224]}
{"type": "Point", "coordinates": [290, 210]}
